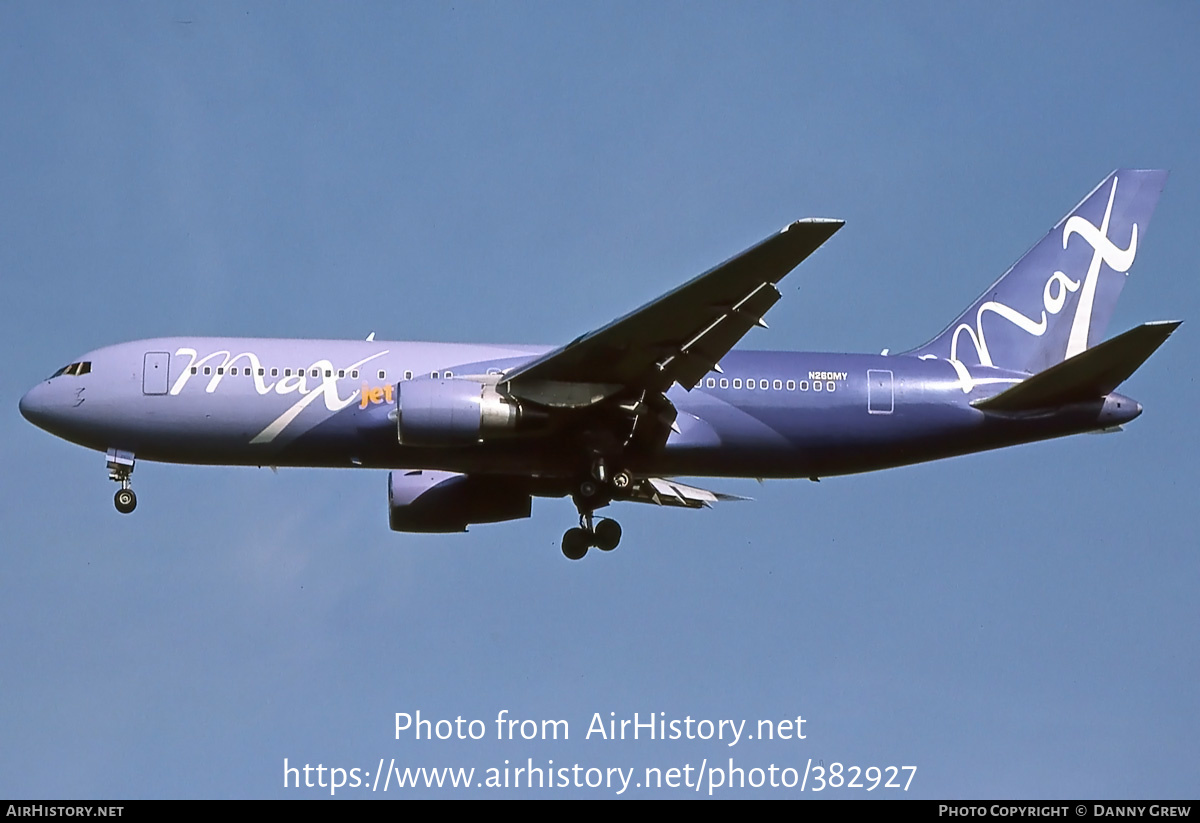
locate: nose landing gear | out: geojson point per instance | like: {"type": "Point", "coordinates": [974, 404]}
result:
{"type": "Point", "coordinates": [120, 466]}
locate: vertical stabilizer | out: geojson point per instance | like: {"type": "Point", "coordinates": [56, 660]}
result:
{"type": "Point", "coordinates": [1056, 301]}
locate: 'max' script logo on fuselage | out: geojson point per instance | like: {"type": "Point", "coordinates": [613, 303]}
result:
{"type": "Point", "coordinates": [327, 388]}
{"type": "Point", "coordinates": [1054, 293]}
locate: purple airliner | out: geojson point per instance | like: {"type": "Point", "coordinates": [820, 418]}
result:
{"type": "Point", "coordinates": [473, 432]}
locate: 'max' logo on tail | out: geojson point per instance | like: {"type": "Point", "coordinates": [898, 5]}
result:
{"type": "Point", "coordinates": [1054, 293]}
{"type": "Point", "coordinates": [1103, 250]}
{"type": "Point", "coordinates": [1055, 300]}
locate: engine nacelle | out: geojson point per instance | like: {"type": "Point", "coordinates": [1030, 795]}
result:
{"type": "Point", "coordinates": [436, 501]}
{"type": "Point", "coordinates": [452, 412]}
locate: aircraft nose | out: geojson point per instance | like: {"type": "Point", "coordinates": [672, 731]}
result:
{"type": "Point", "coordinates": [37, 406]}
{"type": "Point", "coordinates": [32, 405]}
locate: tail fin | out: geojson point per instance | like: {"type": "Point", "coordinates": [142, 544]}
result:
{"type": "Point", "coordinates": [1056, 301]}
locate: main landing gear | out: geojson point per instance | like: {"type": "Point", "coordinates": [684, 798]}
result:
{"type": "Point", "coordinates": [604, 535]}
{"type": "Point", "coordinates": [120, 466]}
{"type": "Point", "coordinates": [596, 491]}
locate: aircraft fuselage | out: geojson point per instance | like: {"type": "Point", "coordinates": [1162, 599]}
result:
{"type": "Point", "coordinates": [331, 403]}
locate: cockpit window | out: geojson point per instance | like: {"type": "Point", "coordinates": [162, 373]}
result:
{"type": "Point", "coordinates": [75, 369]}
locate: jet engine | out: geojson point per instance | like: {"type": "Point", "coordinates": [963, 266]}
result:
{"type": "Point", "coordinates": [437, 501]}
{"type": "Point", "coordinates": [453, 412]}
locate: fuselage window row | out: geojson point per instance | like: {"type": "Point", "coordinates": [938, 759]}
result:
{"type": "Point", "coordinates": [776, 385]}
{"type": "Point", "coordinates": [712, 383]}
{"type": "Point", "coordinates": [262, 372]}
{"type": "Point", "coordinates": [84, 368]}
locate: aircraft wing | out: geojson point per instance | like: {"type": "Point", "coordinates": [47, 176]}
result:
{"type": "Point", "coordinates": [677, 338]}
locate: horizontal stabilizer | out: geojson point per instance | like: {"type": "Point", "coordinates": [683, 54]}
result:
{"type": "Point", "coordinates": [1090, 375]}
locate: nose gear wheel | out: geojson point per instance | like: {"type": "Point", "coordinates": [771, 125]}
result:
{"type": "Point", "coordinates": [120, 467]}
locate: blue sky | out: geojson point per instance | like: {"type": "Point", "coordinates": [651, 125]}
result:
{"type": "Point", "coordinates": [1014, 624]}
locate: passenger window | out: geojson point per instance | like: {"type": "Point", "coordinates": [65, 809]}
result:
{"type": "Point", "coordinates": [408, 375]}
{"type": "Point", "coordinates": [737, 382]}
{"type": "Point", "coordinates": [382, 374]}
{"type": "Point", "coordinates": [791, 385]}
{"type": "Point", "coordinates": [724, 382]}
{"type": "Point", "coordinates": [208, 369]}
{"type": "Point", "coordinates": [274, 371]}
{"type": "Point", "coordinates": [341, 373]}
{"type": "Point", "coordinates": [711, 382]}
{"type": "Point", "coordinates": [778, 385]}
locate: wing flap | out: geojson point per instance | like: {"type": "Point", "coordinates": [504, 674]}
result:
{"type": "Point", "coordinates": [698, 356]}
{"type": "Point", "coordinates": [662, 491]}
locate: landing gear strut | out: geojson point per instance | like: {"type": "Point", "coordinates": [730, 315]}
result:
{"type": "Point", "coordinates": [120, 466]}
